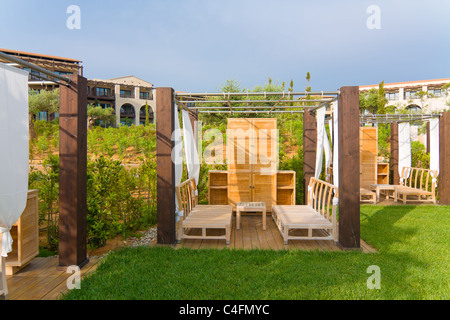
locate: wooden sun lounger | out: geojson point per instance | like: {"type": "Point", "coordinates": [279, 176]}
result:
{"type": "Point", "coordinates": [202, 217]}
{"type": "Point", "coordinates": [416, 182]}
{"type": "Point", "coordinates": [319, 214]}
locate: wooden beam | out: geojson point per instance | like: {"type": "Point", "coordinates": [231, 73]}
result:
{"type": "Point", "coordinates": [444, 156]}
{"type": "Point", "coordinates": [349, 168]}
{"type": "Point", "coordinates": [309, 150]}
{"type": "Point", "coordinates": [394, 154]}
{"type": "Point", "coordinates": [165, 168]}
{"type": "Point", "coordinates": [73, 173]}
{"type": "Point", "coordinates": [428, 137]}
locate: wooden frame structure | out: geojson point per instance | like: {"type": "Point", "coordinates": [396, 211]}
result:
{"type": "Point", "coordinates": [248, 103]}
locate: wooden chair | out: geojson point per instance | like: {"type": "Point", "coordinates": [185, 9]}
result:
{"type": "Point", "coordinates": [417, 182]}
{"type": "Point", "coordinates": [201, 217]}
{"type": "Point", "coordinates": [319, 214]}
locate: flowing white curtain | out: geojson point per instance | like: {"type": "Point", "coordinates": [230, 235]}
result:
{"type": "Point", "coordinates": [434, 145]}
{"type": "Point", "coordinates": [190, 148]}
{"type": "Point", "coordinates": [323, 144]}
{"type": "Point", "coordinates": [177, 157]}
{"type": "Point", "coordinates": [14, 147]}
{"type": "Point", "coordinates": [320, 141]}
{"type": "Point", "coordinates": [404, 148]}
{"type": "Point", "coordinates": [335, 145]}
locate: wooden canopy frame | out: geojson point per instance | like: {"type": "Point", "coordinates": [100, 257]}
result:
{"type": "Point", "coordinates": [348, 98]}
{"type": "Point", "coordinates": [73, 160]}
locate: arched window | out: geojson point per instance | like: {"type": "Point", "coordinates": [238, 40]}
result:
{"type": "Point", "coordinates": [142, 115]}
{"type": "Point", "coordinates": [414, 108]}
{"type": "Point", "coordinates": [127, 115]}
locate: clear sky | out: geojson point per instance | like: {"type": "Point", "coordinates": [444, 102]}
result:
{"type": "Point", "coordinates": [196, 45]}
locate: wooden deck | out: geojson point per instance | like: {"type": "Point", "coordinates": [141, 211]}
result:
{"type": "Point", "coordinates": [252, 236]}
{"type": "Point", "coordinates": [41, 281]}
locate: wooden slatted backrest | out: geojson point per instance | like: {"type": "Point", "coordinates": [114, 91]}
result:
{"type": "Point", "coordinates": [320, 198]}
{"type": "Point", "coordinates": [419, 178]}
{"type": "Point", "coordinates": [186, 196]}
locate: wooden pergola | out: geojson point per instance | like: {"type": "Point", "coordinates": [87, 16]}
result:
{"type": "Point", "coordinates": [73, 157]}
{"type": "Point", "coordinates": [348, 101]}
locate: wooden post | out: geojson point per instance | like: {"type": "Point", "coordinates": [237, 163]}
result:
{"type": "Point", "coordinates": [73, 173]}
{"type": "Point", "coordinates": [444, 156]}
{"type": "Point", "coordinates": [349, 168]}
{"type": "Point", "coordinates": [165, 168]}
{"type": "Point", "coordinates": [428, 137]}
{"type": "Point", "coordinates": [309, 149]}
{"type": "Point", "coordinates": [394, 154]}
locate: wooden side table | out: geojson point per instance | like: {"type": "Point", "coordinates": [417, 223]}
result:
{"type": "Point", "coordinates": [382, 187]}
{"type": "Point", "coordinates": [250, 207]}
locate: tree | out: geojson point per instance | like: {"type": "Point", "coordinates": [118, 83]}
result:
{"type": "Point", "coordinates": [373, 100]}
{"type": "Point", "coordinates": [308, 78]}
{"type": "Point", "coordinates": [41, 101]}
{"type": "Point", "coordinates": [147, 115]}
{"type": "Point", "coordinates": [106, 115]}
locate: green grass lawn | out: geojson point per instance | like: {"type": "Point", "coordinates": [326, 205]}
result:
{"type": "Point", "coordinates": [413, 255]}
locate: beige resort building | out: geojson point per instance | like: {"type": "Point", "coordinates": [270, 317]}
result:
{"type": "Point", "coordinates": [404, 95]}
{"type": "Point", "coordinates": [127, 95]}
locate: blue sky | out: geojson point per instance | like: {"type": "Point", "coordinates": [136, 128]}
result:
{"type": "Point", "coordinates": [196, 45]}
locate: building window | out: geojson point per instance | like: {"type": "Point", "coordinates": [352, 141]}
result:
{"type": "Point", "coordinates": [102, 92]}
{"type": "Point", "coordinates": [105, 105]}
{"type": "Point", "coordinates": [63, 73]}
{"type": "Point", "coordinates": [435, 92]}
{"type": "Point", "coordinates": [414, 108]}
{"type": "Point", "coordinates": [392, 96]}
{"type": "Point", "coordinates": [125, 94]}
{"type": "Point", "coordinates": [411, 95]}
{"type": "Point", "coordinates": [144, 95]}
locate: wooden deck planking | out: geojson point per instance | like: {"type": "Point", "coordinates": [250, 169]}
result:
{"type": "Point", "coordinates": [40, 280]}
{"type": "Point", "coordinates": [252, 236]}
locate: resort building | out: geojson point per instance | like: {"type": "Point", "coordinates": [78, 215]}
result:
{"type": "Point", "coordinates": [425, 96]}
{"type": "Point", "coordinates": [128, 96]}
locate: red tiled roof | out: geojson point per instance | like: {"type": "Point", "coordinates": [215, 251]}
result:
{"type": "Point", "coordinates": [37, 55]}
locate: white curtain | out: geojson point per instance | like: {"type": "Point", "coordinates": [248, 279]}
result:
{"type": "Point", "coordinates": [320, 140]}
{"type": "Point", "coordinates": [14, 146]}
{"type": "Point", "coordinates": [434, 145]}
{"type": "Point", "coordinates": [323, 144]}
{"type": "Point", "coordinates": [335, 145]}
{"type": "Point", "coordinates": [177, 157]}
{"type": "Point", "coordinates": [190, 148]}
{"type": "Point", "coordinates": [327, 149]}
{"type": "Point", "coordinates": [404, 148]}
